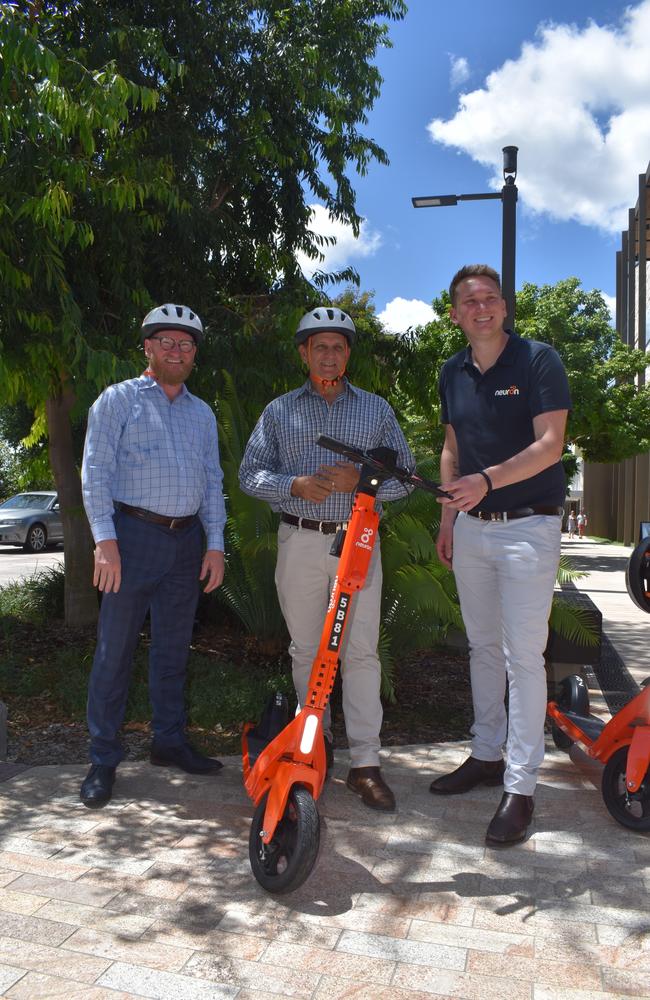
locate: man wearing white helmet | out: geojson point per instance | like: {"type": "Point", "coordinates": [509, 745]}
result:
{"type": "Point", "coordinates": [152, 488]}
{"type": "Point", "coordinates": [284, 466]}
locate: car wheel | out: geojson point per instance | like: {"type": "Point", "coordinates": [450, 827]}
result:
{"type": "Point", "coordinates": [36, 539]}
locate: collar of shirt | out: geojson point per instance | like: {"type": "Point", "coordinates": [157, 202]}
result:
{"type": "Point", "coordinates": [149, 382]}
{"type": "Point", "coordinates": [507, 356]}
{"type": "Point", "coordinates": [309, 387]}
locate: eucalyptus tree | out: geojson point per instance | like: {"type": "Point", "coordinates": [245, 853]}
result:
{"type": "Point", "coordinates": [160, 151]}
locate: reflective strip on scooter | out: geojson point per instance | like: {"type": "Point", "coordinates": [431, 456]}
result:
{"type": "Point", "coordinates": [308, 733]}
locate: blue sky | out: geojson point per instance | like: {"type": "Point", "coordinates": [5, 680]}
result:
{"type": "Point", "coordinates": [567, 82]}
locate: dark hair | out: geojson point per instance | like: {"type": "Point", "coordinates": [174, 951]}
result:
{"type": "Point", "coordinates": [472, 271]}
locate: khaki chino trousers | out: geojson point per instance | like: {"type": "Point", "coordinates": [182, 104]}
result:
{"type": "Point", "coordinates": [304, 577]}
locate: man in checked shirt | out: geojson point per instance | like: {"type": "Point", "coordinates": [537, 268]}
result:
{"type": "Point", "coordinates": [283, 465]}
{"type": "Point", "coordinates": [152, 487]}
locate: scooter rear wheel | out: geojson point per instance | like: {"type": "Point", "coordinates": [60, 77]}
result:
{"type": "Point", "coordinates": [637, 575]}
{"type": "Point", "coordinates": [284, 864]}
{"type": "Point", "coordinates": [631, 810]}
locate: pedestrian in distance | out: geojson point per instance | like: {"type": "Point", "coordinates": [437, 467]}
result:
{"type": "Point", "coordinates": [505, 401]}
{"type": "Point", "coordinates": [152, 492]}
{"type": "Point", "coordinates": [284, 466]}
{"type": "Point", "coordinates": [582, 524]}
{"type": "Point", "coordinates": [571, 524]}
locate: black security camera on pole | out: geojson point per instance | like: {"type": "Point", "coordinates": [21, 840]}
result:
{"type": "Point", "coordinates": [508, 198]}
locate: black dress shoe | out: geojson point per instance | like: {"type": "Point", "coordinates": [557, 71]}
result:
{"type": "Point", "coordinates": [185, 757]}
{"type": "Point", "coordinates": [97, 786]}
{"type": "Point", "coordinates": [471, 773]}
{"type": "Point", "coordinates": [511, 820]}
{"type": "Point", "coordinates": [369, 784]}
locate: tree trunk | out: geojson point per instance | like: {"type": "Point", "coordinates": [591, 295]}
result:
{"type": "Point", "coordinates": [81, 604]}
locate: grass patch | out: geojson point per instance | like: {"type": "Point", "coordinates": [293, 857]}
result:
{"type": "Point", "coordinates": [37, 598]}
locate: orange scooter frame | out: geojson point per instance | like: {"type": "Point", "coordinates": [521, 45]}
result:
{"type": "Point", "coordinates": [297, 754]}
{"type": "Point", "coordinates": [287, 777]}
{"type": "Point", "coordinates": [623, 743]}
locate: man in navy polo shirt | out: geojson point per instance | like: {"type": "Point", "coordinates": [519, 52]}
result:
{"type": "Point", "coordinates": [505, 402]}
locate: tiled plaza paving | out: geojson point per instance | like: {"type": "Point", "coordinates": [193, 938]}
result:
{"type": "Point", "coordinates": [153, 896]}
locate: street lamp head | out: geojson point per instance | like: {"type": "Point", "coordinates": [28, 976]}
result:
{"type": "Point", "coordinates": [435, 201]}
{"type": "Point", "coordinates": [510, 163]}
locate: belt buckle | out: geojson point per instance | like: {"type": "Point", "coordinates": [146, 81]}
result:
{"type": "Point", "coordinates": [320, 527]}
{"type": "Point", "coordinates": [175, 521]}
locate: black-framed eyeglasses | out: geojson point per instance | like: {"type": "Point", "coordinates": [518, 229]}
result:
{"type": "Point", "coordinates": [168, 344]}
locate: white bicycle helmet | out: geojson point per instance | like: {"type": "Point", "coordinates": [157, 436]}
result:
{"type": "Point", "coordinates": [172, 317]}
{"type": "Point", "coordinates": [325, 319]}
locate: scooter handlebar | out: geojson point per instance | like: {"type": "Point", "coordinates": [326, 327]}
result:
{"type": "Point", "coordinates": [365, 458]}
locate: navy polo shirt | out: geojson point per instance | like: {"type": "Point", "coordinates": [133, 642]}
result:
{"type": "Point", "coordinates": [492, 416]}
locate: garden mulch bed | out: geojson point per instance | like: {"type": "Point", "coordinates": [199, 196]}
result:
{"type": "Point", "coordinates": [432, 705]}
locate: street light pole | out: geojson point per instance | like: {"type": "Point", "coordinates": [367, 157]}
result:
{"type": "Point", "coordinates": [508, 198]}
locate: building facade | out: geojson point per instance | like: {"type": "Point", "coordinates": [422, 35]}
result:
{"type": "Point", "coordinates": [617, 497]}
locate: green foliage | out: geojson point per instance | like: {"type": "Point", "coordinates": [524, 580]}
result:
{"type": "Point", "coordinates": [419, 600]}
{"type": "Point", "coordinates": [573, 623]}
{"type": "Point", "coordinates": [36, 598]}
{"type": "Point", "coordinates": [249, 588]}
{"type": "Point", "coordinates": [165, 152]}
{"type": "Point", "coordinates": [610, 417]}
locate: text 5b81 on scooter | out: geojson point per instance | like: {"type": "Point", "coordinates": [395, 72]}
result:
{"type": "Point", "coordinates": [623, 743]}
{"type": "Point", "coordinates": [284, 764]}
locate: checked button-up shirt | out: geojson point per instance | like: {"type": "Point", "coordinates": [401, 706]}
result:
{"type": "Point", "coordinates": [283, 446]}
{"type": "Point", "coordinates": [148, 451]}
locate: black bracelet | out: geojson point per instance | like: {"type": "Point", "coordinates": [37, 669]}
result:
{"type": "Point", "coordinates": [487, 480]}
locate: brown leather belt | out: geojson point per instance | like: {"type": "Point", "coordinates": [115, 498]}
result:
{"type": "Point", "coordinates": [149, 515]}
{"type": "Point", "coordinates": [325, 527]}
{"type": "Point", "coordinates": [512, 515]}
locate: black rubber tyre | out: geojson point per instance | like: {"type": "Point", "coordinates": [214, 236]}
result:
{"type": "Point", "coordinates": [36, 539]}
{"type": "Point", "coordinates": [637, 572]}
{"type": "Point", "coordinates": [631, 811]}
{"type": "Point", "coordinates": [573, 697]}
{"type": "Point", "coordinates": [560, 738]}
{"type": "Point", "coordinates": [285, 863]}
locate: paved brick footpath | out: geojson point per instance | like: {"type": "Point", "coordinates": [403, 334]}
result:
{"type": "Point", "coordinates": [153, 896]}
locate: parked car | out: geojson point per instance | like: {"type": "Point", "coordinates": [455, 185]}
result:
{"type": "Point", "coordinates": [32, 520]}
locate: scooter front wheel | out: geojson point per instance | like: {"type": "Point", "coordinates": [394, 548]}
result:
{"type": "Point", "coordinates": [284, 864]}
{"type": "Point", "coordinates": [631, 810]}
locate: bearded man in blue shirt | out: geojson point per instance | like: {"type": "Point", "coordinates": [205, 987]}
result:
{"type": "Point", "coordinates": [152, 486]}
{"type": "Point", "coordinates": [283, 465]}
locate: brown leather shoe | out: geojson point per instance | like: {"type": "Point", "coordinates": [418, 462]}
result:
{"type": "Point", "coordinates": [511, 820]}
{"type": "Point", "coordinates": [471, 773]}
{"type": "Point", "coordinates": [369, 784]}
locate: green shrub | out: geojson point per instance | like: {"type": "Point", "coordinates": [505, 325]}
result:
{"type": "Point", "coordinates": [36, 598]}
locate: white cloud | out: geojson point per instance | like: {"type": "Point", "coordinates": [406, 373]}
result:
{"type": "Point", "coordinates": [577, 103]}
{"type": "Point", "coordinates": [344, 250]}
{"type": "Point", "coordinates": [400, 314]}
{"type": "Point", "coordinates": [459, 71]}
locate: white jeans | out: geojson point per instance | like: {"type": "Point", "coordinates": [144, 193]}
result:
{"type": "Point", "coordinates": [505, 573]}
{"type": "Point", "coordinates": [304, 576]}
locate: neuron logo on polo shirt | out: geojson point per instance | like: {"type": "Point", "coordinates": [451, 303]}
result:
{"type": "Point", "coordinates": [512, 391]}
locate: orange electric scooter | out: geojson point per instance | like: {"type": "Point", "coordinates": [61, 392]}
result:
{"type": "Point", "coordinates": [284, 762]}
{"type": "Point", "coordinates": [623, 743]}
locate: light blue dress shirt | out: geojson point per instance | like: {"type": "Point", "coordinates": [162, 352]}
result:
{"type": "Point", "coordinates": [283, 446]}
{"type": "Point", "coordinates": [146, 450]}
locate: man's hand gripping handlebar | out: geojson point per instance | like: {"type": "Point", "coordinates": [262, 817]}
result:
{"type": "Point", "coordinates": [372, 460]}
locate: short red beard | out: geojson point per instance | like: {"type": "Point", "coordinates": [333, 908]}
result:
{"type": "Point", "coordinates": [171, 376]}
